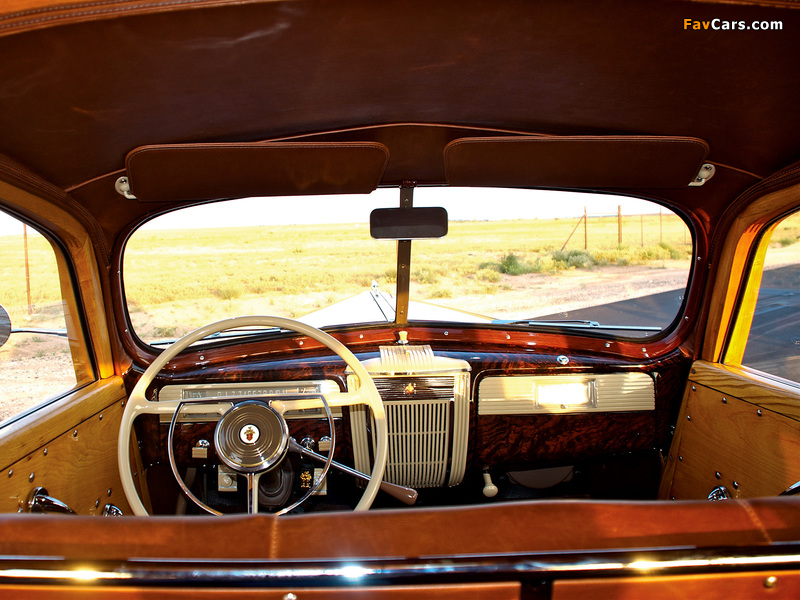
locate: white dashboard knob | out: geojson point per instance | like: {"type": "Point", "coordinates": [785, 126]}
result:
{"type": "Point", "coordinates": [489, 489]}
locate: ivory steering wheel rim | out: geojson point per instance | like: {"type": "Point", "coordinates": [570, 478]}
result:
{"type": "Point", "coordinates": [138, 404]}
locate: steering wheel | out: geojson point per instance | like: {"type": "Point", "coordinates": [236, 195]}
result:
{"type": "Point", "coordinates": [270, 413]}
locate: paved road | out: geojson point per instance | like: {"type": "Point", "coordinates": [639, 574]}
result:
{"type": "Point", "coordinates": [774, 341]}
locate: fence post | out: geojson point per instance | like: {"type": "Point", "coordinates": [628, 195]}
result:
{"type": "Point", "coordinates": [585, 229]}
{"type": "Point", "coordinates": [574, 229]}
{"type": "Point", "coordinates": [27, 266]}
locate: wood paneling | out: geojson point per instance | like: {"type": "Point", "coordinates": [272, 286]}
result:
{"type": "Point", "coordinates": [723, 440]}
{"type": "Point", "coordinates": [732, 272]}
{"type": "Point", "coordinates": [722, 586]}
{"type": "Point", "coordinates": [520, 440]}
{"type": "Point", "coordinates": [468, 591]}
{"type": "Point", "coordinates": [22, 436]}
{"type": "Point", "coordinates": [75, 459]}
{"type": "Point", "coordinates": [740, 382]}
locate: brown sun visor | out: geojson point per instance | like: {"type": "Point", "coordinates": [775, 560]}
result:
{"type": "Point", "coordinates": [577, 162]}
{"type": "Point", "coordinates": [193, 172]}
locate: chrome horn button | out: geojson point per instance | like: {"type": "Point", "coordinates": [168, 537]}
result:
{"type": "Point", "coordinates": [251, 437]}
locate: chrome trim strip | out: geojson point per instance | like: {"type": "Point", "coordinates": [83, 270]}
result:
{"type": "Point", "coordinates": [270, 573]}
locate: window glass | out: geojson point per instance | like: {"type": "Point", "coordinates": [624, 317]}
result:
{"type": "Point", "coordinates": [773, 344]}
{"type": "Point", "coordinates": [36, 360]}
{"type": "Point", "coordinates": [586, 261]}
{"type": "Point", "coordinates": [309, 258]}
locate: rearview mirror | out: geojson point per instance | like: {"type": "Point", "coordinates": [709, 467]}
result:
{"type": "Point", "coordinates": [408, 223]}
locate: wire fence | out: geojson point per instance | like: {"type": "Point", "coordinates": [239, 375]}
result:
{"type": "Point", "coordinates": [609, 230]}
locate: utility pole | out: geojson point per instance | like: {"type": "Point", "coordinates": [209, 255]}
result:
{"type": "Point", "coordinates": [27, 267]}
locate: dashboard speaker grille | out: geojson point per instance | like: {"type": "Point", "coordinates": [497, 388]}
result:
{"type": "Point", "coordinates": [428, 421]}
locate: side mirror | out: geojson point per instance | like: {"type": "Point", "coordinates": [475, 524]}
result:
{"type": "Point", "coordinates": [5, 326]}
{"type": "Point", "coordinates": [408, 223]}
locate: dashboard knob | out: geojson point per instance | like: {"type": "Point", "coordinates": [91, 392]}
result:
{"type": "Point", "coordinates": [489, 489]}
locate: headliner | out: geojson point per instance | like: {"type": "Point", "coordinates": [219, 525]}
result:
{"type": "Point", "coordinates": [82, 86]}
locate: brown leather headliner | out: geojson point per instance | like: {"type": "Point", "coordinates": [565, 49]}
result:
{"type": "Point", "coordinates": [84, 83]}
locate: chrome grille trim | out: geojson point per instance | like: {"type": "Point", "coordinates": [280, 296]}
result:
{"type": "Point", "coordinates": [615, 392]}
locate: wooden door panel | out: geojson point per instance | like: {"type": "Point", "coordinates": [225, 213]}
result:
{"type": "Point", "coordinates": [70, 449]}
{"type": "Point", "coordinates": [734, 430]}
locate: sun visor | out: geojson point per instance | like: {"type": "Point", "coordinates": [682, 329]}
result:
{"type": "Point", "coordinates": [577, 162]}
{"type": "Point", "coordinates": [193, 172]}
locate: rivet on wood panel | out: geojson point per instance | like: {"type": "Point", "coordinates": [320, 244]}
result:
{"type": "Point", "coordinates": [694, 389]}
{"type": "Point", "coordinates": [10, 472]}
{"type": "Point", "coordinates": [718, 475]}
{"type": "Point", "coordinates": [670, 457]}
{"type": "Point", "coordinates": [724, 400]}
{"type": "Point", "coordinates": [736, 485]}
{"type": "Point", "coordinates": [97, 503]}
{"type": "Point", "coordinates": [760, 414]}
{"type": "Point", "coordinates": [31, 477]}
{"type": "Point", "coordinates": [680, 459]}
{"type": "Point", "coordinates": [688, 417]}
{"type": "Point", "coordinates": [109, 491]}
{"type": "Point", "coordinates": [101, 416]}
{"type": "Point", "coordinates": [75, 433]}
{"type": "Point", "coordinates": [694, 371]}
{"type": "Point", "coordinates": [44, 451]}
{"type": "Point", "coordinates": [771, 581]}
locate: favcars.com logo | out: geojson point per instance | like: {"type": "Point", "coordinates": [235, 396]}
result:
{"type": "Point", "coordinates": [723, 25]}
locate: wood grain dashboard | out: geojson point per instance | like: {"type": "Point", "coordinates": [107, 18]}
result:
{"type": "Point", "coordinates": [495, 440]}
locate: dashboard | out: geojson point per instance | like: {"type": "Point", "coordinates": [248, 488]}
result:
{"type": "Point", "coordinates": [464, 427]}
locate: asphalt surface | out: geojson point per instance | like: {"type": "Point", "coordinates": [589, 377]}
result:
{"type": "Point", "coordinates": [774, 341]}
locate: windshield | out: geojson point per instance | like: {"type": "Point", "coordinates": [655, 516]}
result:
{"type": "Point", "coordinates": [520, 257]}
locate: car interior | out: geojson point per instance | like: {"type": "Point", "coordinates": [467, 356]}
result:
{"type": "Point", "coordinates": [321, 299]}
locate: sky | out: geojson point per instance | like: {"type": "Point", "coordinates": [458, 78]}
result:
{"type": "Point", "coordinates": [461, 204]}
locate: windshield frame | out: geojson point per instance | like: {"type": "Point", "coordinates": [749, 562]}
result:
{"type": "Point", "coordinates": [402, 290]}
